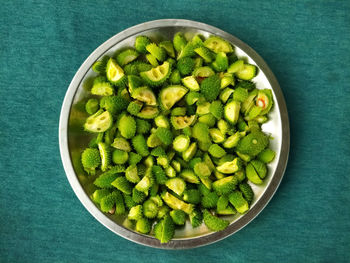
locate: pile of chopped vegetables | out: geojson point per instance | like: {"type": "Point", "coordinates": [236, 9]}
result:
{"type": "Point", "coordinates": [178, 136]}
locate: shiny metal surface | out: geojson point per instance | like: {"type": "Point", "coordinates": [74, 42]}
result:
{"type": "Point", "coordinates": [73, 140]}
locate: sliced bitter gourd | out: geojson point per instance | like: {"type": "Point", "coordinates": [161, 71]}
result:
{"type": "Point", "coordinates": [264, 101]}
{"type": "Point", "coordinates": [148, 112]}
{"type": "Point", "coordinates": [158, 75]}
{"type": "Point", "coordinates": [127, 56]}
{"type": "Point", "coordinates": [205, 53]}
{"type": "Point", "coordinates": [247, 72]}
{"type": "Point", "coordinates": [145, 95]}
{"type": "Point", "coordinates": [134, 82]}
{"type": "Point", "coordinates": [253, 143]}
{"type": "Point", "coordinates": [169, 48]}
{"type": "Point", "coordinates": [105, 156]}
{"type": "Point", "coordinates": [191, 83]}
{"type": "Point", "coordinates": [114, 72]}
{"type": "Point", "coordinates": [181, 122]}
{"type": "Point", "coordinates": [99, 122]}
{"type": "Point", "coordinates": [177, 185]}
{"type": "Point", "coordinates": [171, 94]}
{"type": "Point", "coordinates": [237, 200]}
{"type": "Point", "coordinates": [214, 223]}
{"type": "Point", "coordinates": [203, 72]}
{"type": "Point", "coordinates": [230, 167]}
{"type": "Point", "coordinates": [236, 66]}
{"type": "Point", "coordinates": [217, 44]}
{"type": "Point", "coordinates": [232, 111]}
{"type": "Point", "coordinates": [102, 89]}
{"type": "Point", "coordinates": [252, 175]}
{"type": "Point", "coordinates": [176, 203]}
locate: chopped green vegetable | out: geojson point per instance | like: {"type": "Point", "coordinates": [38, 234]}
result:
{"type": "Point", "coordinates": [92, 106]}
{"type": "Point", "coordinates": [99, 194]}
{"type": "Point", "coordinates": [90, 159]}
{"type": "Point", "coordinates": [253, 143]}
{"type": "Point", "coordinates": [143, 225]}
{"type": "Point", "coordinates": [140, 44]}
{"type": "Point", "coordinates": [185, 65]}
{"type": "Point", "coordinates": [181, 143]}
{"type": "Point", "coordinates": [158, 52]}
{"type": "Point", "coordinates": [158, 75]}
{"type": "Point", "coordinates": [127, 56]}
{"type": "Point", "coordinates": [247, 192]}
{"type": "Point", "coordinates": [122, 184]}
{"type": "Point", "coordinates": [176, 130]}
{"type": "Point", "coordinates": [225, 185]}
{"type": "Point", "coordinates": [170, 95]}
{"type": "Point", "coordinates": [266, 156]}
{"type": "Point", "coordinates": [119, 156]}
{"type": "Point", "coordinates": [177, 185]}
{"type": "Point", "coordinates": [237, 200]}
{"type": "Point", "coordinates": [210, 87]}
{"type": "Point", "coordinates": [115, 74]}
{"type": "Point", "coordinates": [214, 223]}
{"type": "Point", "coordinates": [176, 203]}
{"type": "Point", "coordinates": [165, 229]}
{"type": "Point", "coordinates": [178, 216]}
{"type": "Point", "coordinates": [99, 122]}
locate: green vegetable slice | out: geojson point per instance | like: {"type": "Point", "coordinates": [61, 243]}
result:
{"type": "Point", "coordinates": [247, 72]}
{"type": "Point", "coordinates": [90, 159]}
{"type": "Point", "coordinates": [114, 72]}
{"type": "Point", "coordinates": [145, 95]}
{"type": "Point", "coordinates": [102, 89]}
{"type": "Point", "coordinates": [152, 60]}
{"type": "Point", "coordinates": [237, 200]}
{"type": "Point", "coordinates": [205, 53]}
{"type": "Point", "coordinates": [203, 72]}
{"type": "Point", "coordinates": [143, 225]}
{"type": "Point", "coordinates": [266, 156]}
{"type": "Point", "coordinates": [191, 83]}
{"type": "Point", "coordinates": [230, 167]}
{"type": "Point", "coordinates": [177, 185]}
{"type": "Point", "coordinates": [158, 75]}
{"type": "Point", "coordinates": [178, 216]}
{"type": "Point", "coordinates": [253, 143]}
{"type": "Point", "coordinates": [214, 223]}
{"type": "Point", "coordinates": [141, 42]}
{"type": "Point", "coordinates": [105, 155]}
{"type": "Point", "coordinates": [181, 143]}
{"type": "Point", "coordinates": [169, 48]}
{"type": "Point", "coordinates": [127, 56]}
{"type": "Point", "coordinates": [236, 66]}
{"type": "Point", "coordinates": [260, 168]}
{"type": "Point", "coordinates": [176, 203]}
{"type": "Point", "coordinates": [148, 112]}
{"type": "Point", "coordinates": [189, 176]}
{"type": "Point", "coordinates": [264, 101]}
{"type": "Point", "coordinates": [252, 175]}
{"type": "Point", "coordinates": [217, 44]}
{"type": "Point", "coordinates": [247, 192]}
{"type": "Point", "coordinates": [165, 229]}
{"type": "Point", "coordinates": [158, 52]}
{"type": "Point", "coordinates": [231, 111]}
{"type": "Point", "coordinates": [170, 95]}
{"type": "Point", "coordinates": [225, 185]}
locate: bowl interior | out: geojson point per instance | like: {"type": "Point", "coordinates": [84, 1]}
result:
{"type": "Point", "coordinates": [78, 139]}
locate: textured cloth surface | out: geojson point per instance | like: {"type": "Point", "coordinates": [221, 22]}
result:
{"type": "Point", "coordinates": [307, 46]}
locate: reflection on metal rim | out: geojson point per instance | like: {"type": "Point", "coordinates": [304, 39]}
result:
{"type": "Point", "coordinates": [183, 243]}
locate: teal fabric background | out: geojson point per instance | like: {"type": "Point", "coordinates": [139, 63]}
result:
{"type": "Point", "coordinates": [307, 46]}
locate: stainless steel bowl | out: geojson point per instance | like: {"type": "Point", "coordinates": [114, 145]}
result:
{"type": "Point", "coordinates": [73, 140]}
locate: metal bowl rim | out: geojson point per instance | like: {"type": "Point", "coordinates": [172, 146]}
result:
{"type": "Point", "coordinates": [145, 239]}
